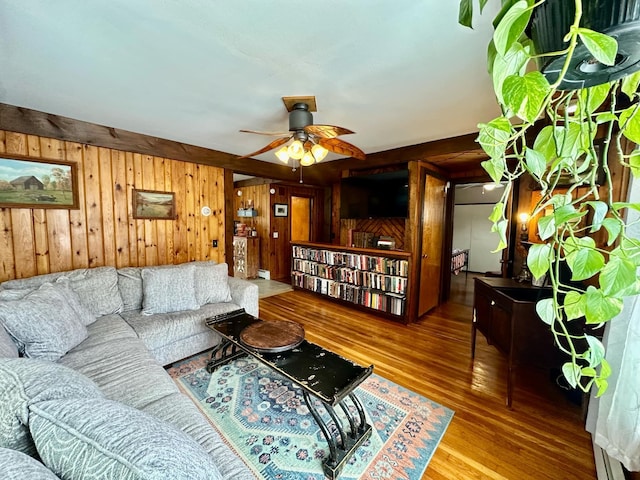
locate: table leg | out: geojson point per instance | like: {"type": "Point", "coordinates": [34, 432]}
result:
{"type": "Point", "coordinates": [223, 353]}
{"type": "Point", "coordinates": [359, 431]}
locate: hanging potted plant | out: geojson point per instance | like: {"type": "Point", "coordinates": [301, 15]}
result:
{"type": "Point", "coordinates": [582, 98]}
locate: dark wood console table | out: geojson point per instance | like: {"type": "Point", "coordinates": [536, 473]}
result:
{"type": "Point", "coordinates": [504, 312]}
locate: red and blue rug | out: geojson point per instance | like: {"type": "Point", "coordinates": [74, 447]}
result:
{"type": "Point", "coordinates": [263, 417]}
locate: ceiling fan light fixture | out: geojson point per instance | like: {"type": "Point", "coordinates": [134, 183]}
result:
{"type": "Point", "coordinates": [319, 152]}
{"type": "Point", "coordinates": [307, 159]}
{"type": "Point", "coordinates": [283, 154]}
{"type": "Point", "coordinates": [296, 150]}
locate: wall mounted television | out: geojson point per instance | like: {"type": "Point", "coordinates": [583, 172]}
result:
{"type": "Point", "coordinates": [379, 195]}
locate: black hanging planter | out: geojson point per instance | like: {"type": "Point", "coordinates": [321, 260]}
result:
{"type": "Point", "coordinates": [618, 18]}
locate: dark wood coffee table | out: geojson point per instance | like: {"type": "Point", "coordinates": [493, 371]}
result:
{"type": "Point", "coordinates": [318, 372]}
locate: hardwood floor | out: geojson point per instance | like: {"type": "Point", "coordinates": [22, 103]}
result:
{"type": "Point", "coordinates": [541, 437]}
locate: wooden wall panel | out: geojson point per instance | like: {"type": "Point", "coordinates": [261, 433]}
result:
{"type": "Point", "coordinates": [103, 231]}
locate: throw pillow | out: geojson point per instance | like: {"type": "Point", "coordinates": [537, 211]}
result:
{"type": "Point", "coordinates": [25, 381]}
{"type": "Point", "coordinates": [130, 286]}
{"type": "Point", "coordinates": [211, 283]}
{"type": "Point", "coordinates": [168, 289]}
{"type": "Point", "coordinates": [83, 313]}
{"type": "Point", "coordinates": [99, 438]}
{"type": "Point", "coordinates": [97, 289]}
{"type": "Point", "coordinates": [8, 347]}
{"type": "Point", "coordinates": [43, 323]}
{"type": "Point", "coordinates": [16, 465]}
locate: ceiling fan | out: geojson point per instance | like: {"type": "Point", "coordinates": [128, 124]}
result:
{"type": "Point", "coordinates": [311, 142]}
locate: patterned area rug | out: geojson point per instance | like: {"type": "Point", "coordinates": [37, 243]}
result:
{"type": "Point", "coordinates": [264, 419]}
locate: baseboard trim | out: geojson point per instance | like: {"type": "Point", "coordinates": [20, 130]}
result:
{"type": "Point", "coordinates": [607, 468]}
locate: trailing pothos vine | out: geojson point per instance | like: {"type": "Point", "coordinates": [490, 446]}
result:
{"type": "Point", "coordinates": [568, 144]}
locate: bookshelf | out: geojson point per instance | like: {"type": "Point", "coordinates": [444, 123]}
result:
{"type": "Point", "coordinates": [368, 278]}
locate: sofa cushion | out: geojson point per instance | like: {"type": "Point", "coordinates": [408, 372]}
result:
{"type": "Point", "coordinates": [168, 289]}
{"type": "Point", "coordinates": [180, 411]}
{"type": "Point", "coordinates": [97, 289]}
{"type": "Point", "coordinates": [130, 286]}
{"type": "Point", "coordinates": [8, 347]}
{"type": "Point", "coordinates": [99, 438]}
{"type": "Point", "coordinates": [211, 283]}
{"type": "Point", "coordinates": [43, 323]}
{"type": "Point", "coordinates": [165, 328]}
{"type": "Point", "coordinates": [106, 329]}
{"type": "Point", "coordinates": [15, 465]}
{"type": "Point", "coordinates": [124, 370]}
{"type": "Point", "coordinates": [25, 381]}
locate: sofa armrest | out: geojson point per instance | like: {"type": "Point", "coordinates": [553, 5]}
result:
{"type": "Point", "coordinates": [244, 294]}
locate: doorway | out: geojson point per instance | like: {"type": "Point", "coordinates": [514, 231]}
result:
{"type": "Point", "coordinates": [301, 208]}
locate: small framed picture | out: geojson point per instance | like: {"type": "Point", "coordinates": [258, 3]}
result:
{"type": "Point", "coordinates": [280, 210]}
{"type": "Point", "coordinates": [154, 205]}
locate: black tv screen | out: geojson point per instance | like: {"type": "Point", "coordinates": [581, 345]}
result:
{"type": "Point", "coordinates": [380, 195]}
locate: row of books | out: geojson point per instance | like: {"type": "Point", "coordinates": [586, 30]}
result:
{"type": "Point", "coordinates": [386, 302]}
{"type": "Point", "coordinates": [389, 266]}
{"type": "Point", "coordinates": [361, 278]}
{"type": "Point", "coordinates": [362, 239]}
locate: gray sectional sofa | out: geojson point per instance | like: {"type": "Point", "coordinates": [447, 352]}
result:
{"type": "Point", "coordinates": [83, 391]}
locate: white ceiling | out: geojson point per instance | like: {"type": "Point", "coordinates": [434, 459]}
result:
{"type": "Point", "coordinates": [398, 73]}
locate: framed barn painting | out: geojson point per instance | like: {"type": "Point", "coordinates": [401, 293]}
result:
{"type": "Point", "coordinates": [154, 205]}
{"type": "Point", "coordinates": [37, 183]}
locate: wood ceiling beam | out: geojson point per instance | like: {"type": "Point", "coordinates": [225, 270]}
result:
{"type": "Point", "coordinates": [34, 122]}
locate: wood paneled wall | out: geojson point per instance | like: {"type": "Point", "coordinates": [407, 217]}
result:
{"type": "Point", "coordinates": [392, 227]}
{"type": "Point", "coordinates": [102, 231]}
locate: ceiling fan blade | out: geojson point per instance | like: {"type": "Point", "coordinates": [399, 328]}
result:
{"type": "Point", "coordinates": [271, 134]}
{"type": "Point", "coordinates": [327, 131]}
{"type": "Point", "coordinates": [341, 147]}
{"type": "Point", "coordinates": [275, 144]}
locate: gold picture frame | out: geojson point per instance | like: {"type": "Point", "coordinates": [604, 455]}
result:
{"type": "Point", "coordinates": [153, 205]}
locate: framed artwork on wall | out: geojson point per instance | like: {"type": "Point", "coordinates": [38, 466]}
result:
{"type": "Point", "coordinates": [37, 183]}
{"type": "Point", "coordinates": [280, 210]}
{"type": "Point", "coordinates": [154, 205]}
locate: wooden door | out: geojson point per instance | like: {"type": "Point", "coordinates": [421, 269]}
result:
{"type": "Point", "coordinates": [300, 219]}
{"type": "Point", "coordinates": [433, 213]}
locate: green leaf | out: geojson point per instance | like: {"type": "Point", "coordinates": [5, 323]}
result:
{"type": "Point", "coordinates": [539, 259]}
{"type": "Point", "coordinates": [634, 163]}
{"type": "Point", "coordinates": [630, 123]}
{"type": "Point", "coordinates": [572, 373]}
{"type": "Point", "coordinates": [596, 351]}
{"type": "Point", "coordinates": [602, 386]}
{"type": "Point", "coordinates": [630, 84]}
{"type": "Point", "coordinates": [588, 372]}
{"type": "Point", "coordinates": [618, 275]}
{"type": "Point", "coordinates": [617, 206]}
{"type": "Point", "coordinates": [511, 26]}
{"type": "Point", "coordinates": [567, 213]}
{"type": "Point", "coordinates": [501, 228]}
{"type": "Point", "coordinates": [497, 212]}
{"type": "Point", "coordinates": [613, 227]}
{"type": "Point", "coordinates": [495, 168]}
{"type": "Point", "coordinates": [482, 4]}
{"type": "Point", "coordinates": [595, 96]}
{"type": "Point", "coordinates": [631, 250]}
{"type": "Point", "coordinates": [494, 136]}
{"type": "Point", "coordinates": [605, 117]}
{"type": "Point", "coordinates": [585, 263]}
{"type": "Point", "coordinates": [603, 47]}
{"type": "Point", "coordinates": [569, 140]}
{"type": "Point", "coordinates": [600, 308]}
{"type": "Point", "coordinates": [536, 163]}
{"type": "Point", "coordinates": [545, 143]}
{"type": "Point", "coordinates": [574, 305]}
{"type": "Point", "coordinates": [605, 369]}
{"type": "Point", "coordinates": [546, 227]}
{"type": "Point", "coordinates": [525, 95]}
{"type": "Point", "coordinates": [600, 210]}
{"type": "Point", "coordinates": [465, 13]}
{"type": "Point", "coordinates": [546, 310]}
{"type": "Point", "coordinates": [513, 62]}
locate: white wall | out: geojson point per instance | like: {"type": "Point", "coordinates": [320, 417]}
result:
{"type": "Point", "coordinates": [472, 230]}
